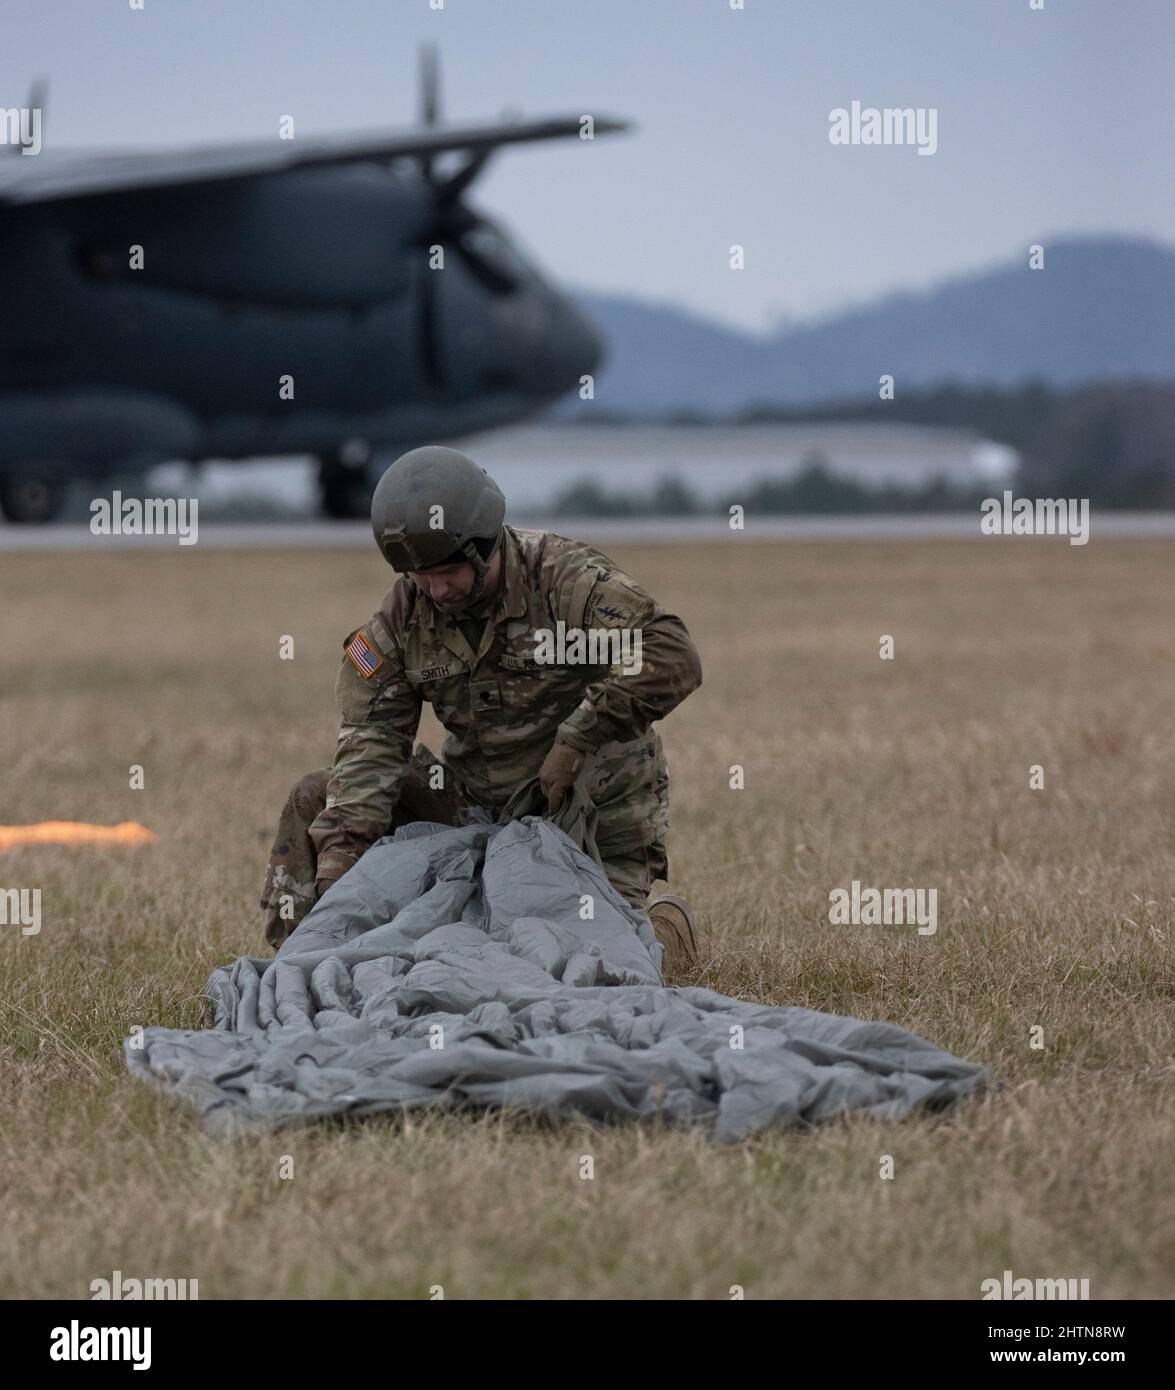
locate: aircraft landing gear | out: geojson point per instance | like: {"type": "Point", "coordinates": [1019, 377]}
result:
{"type": "Point", "coordinates": [344, 489]}
{"type": "Point", "coordinates": [29, 500]}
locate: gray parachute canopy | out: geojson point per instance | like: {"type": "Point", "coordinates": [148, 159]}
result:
{"type": "Point", "coordinates": [457, 966]}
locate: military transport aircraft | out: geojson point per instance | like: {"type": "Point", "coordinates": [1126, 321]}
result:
{"type": "Point", "coordinates": [275, 297]}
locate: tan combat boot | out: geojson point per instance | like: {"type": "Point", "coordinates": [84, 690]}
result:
{"type": "Point", "coordinates": [673, 926]}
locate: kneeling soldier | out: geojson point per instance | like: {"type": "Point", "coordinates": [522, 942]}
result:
{"type": "Point", "coordinates": [469, 629]}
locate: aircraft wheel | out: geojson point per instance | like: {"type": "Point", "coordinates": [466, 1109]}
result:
{"type": "Point", "coordinates": [345, 490]}
{"type": "Point", "coordinates": [29, 501]}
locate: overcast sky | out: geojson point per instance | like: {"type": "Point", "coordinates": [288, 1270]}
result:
{"type": "Point", "coordinates": [1050, 122]}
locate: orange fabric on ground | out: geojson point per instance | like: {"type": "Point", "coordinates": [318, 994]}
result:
{"type": "Point", "coordinates": [66, 832]}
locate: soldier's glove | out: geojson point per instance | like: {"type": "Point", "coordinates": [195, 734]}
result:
{"type": "Point", "coordinates": [560, 768]}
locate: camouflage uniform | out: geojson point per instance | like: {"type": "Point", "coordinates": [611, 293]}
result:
{"type": "Point", "coordinates": [502, 710]}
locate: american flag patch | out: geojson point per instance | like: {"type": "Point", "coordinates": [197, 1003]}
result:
{"type": "Point", "coordinates": [364, 657]}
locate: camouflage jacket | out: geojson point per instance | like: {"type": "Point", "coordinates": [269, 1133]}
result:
{"type": "Point", "coordinates": [503, 705]}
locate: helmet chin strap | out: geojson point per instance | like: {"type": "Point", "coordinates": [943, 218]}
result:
{"type": "Point", "coordinates": [481, 569]}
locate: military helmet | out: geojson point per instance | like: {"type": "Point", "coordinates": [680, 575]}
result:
{"type": "Point", "coordinates": [434, 505]}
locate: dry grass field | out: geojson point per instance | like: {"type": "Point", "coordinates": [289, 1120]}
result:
{"type": "Point", "coordinates": [1055, 909]}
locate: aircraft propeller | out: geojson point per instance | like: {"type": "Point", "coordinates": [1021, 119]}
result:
{"type": "Point", "coordinates": [452, 223]}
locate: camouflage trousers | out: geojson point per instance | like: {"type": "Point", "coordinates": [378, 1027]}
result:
{"type": "Point", "coordinates": [288, 892]}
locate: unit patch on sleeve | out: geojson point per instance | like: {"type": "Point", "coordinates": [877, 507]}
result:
{"type": "Point", "coordinates": [363, 656]}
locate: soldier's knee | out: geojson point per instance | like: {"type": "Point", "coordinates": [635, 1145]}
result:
{"type": "Point", "coordinates": [634, 894]}
{"type": "Point", "coordinates": [632, 875]}
{"type": "Point", "coordinates": [308, 794]}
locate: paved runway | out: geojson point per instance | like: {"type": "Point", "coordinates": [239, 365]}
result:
{"type": "Point", "coordinates": [312, 534]}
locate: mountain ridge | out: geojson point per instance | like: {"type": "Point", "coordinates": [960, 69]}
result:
{"type": "Point", "coordinates": [1101, 309]}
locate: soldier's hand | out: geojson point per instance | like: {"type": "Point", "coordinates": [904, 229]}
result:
{"type": "Point", "coordinates": [560, 768]}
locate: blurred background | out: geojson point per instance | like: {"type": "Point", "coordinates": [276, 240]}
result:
{"type": "Point", "coordinates": [711, 385]}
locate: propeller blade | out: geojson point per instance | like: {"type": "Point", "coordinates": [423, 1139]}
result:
{"type": "Point", "coordinates": [37, 100]}
{"type": "Point", "coordinates": [430, 85]}
{"type": "Point", "coordinates": [429, 327]}
{"type": "Point", "coordinates": [430, 98]}
{"type": "Point", "coordinates": [453, 187]}
{"type": "Point", "coordinates": [38, 92]}
{"type": "Point", "coordinates": [495, 280]}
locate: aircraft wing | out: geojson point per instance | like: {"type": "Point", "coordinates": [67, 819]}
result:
{"type": "Point", "coordinates": [53, 177]}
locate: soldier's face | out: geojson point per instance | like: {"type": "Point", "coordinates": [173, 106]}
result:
{"type": "Point", "coordinates": [447, 585]}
